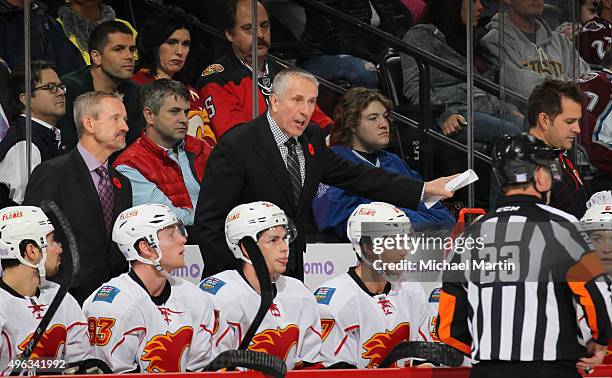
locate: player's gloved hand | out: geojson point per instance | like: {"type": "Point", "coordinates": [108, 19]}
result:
{"type": "Point", "coordinates": [596, 354]}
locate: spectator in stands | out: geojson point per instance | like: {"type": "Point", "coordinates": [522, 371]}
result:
{"type": "Point", "coordinates": [553, 115]}
{"type": "Point", "coordinates": [595, 33]}
{"type": "Point", "coordinates": [226, 85]}
{"type": "Point", "coordinates": [80, 17]}
{"type": "Point", "coordinates": [416, 9]}
{"type": "Point", "coordinates": [47, 39]}
{"type": "Point", "coordinates": [168, 47]}
{"type": "Point", "coordinates": [442, 33]}
{"type": "Point", "coordinates": [361, 133]}
{"type": "Point", "coordinates": [531, 51]}
{"type": "Point", "coordinates": [111, 46]}
{"type": "Point", "coordinates": [48, 106]}
{"type": "Point", "coordinates": [338, 51]}
{"type": "Point", "coordinates": [88, 190]}
{"type": "Point", "coordinates": [588, 10]}
{"type": "Point", "coordinates": [165, 165]}
{"type": "Point", "coordinates": [596, 122]}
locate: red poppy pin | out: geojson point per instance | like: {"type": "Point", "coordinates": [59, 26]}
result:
{"type": "Point", "coordinates": [117, 183]}
{"type": "Point", "coordinates": [310, 149]}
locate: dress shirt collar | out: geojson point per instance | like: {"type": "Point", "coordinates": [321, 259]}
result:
{"type": "Point", "coordinates": [43, 123]}
{"type": "Point", "coordinates": [91, 161]}
{"type": "Point", "coordinates": [179, 147]}
{"type": "Point", "coordinates": [280, 137]}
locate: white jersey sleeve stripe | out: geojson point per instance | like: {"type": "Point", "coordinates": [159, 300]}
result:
{"type": "Point", "coordinates": [126, 334]}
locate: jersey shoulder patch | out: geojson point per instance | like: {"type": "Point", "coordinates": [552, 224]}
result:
{"type": "Point", "coordinates": [213, 68]}
{"type": "Point", "coordinates": [323, 295]}
{"type": "Point", "coordinates": [106, 294]}
{"type": "Point", "coordinates": [434, 297]}
{"type": "Point", "coordinates": [211, 285]}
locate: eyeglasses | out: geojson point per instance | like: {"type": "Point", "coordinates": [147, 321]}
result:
{"type": "Point", "coordinates": [52, 87]}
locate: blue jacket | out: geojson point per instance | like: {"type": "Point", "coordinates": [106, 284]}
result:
{"type": "Point", "coordinates": [333, 206]}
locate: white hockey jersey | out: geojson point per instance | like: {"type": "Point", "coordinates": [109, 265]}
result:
{"type": "Point", "coordinates": [131, 332]}
{"type": "Point", "coordinates": [65, 338]}
{"type": "Point", "coordinates": [291, 330]}
{"type": "Point", "coordinates": [361, 328]}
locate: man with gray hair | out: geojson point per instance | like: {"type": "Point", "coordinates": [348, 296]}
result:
{"type": "Point", "coordinates": [89, 191]}
{"type": "Point", "coordinates": [281, 157]}
{"type": "Point", "coordinates": [165, 165]}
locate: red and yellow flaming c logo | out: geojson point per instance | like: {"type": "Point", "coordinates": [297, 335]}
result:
{"type": "Point", "coordinates": [49, 344]}
{"type": "Point", "coordinates": [164, 352]}
{"type": "Point", "coordinates": [381, 343]}
{"type": "Point", "coordinates": [277, 342]}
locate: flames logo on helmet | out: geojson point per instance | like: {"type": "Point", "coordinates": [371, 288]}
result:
{"type": "Point", "coordinates": [164, 352]}
{"type": "Point", "coordinates": [381, 343]}
{"type": "Point", "coordinates": [277, 342]}
{"type": "Point", "coordinates": [50, 343]}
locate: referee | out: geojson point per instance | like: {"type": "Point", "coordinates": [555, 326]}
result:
{"type": "Point", "coordinates": [517, 317]}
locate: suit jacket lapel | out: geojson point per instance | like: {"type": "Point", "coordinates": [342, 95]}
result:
{"type": "Point", "coordinates": [87, 185]}
{"type": "Point", "coordinates": [270, 153]}
{"type": "Point", "coordinates": [117, 192]}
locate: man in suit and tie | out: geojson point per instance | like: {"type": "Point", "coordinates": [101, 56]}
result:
{"type": "Point", "coordinates": [88, 190]}
{"type": "Point", "coordinates": [280, 157]}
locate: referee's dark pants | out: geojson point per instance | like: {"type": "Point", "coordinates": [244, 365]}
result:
{"type": "Point", "coordinates": [540, 369]}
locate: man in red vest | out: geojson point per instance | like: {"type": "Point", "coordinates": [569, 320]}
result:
{"type": "Point", "coordinates": [165, 165]}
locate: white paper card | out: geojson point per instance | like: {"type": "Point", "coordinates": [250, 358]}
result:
{"type": "Point", "coordinates": [464, 179]}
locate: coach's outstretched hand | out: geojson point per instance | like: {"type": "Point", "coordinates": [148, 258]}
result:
{"type": "Point", "coordinates": [437, 187]}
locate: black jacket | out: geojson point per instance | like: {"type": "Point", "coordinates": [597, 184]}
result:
{"type": "Point", "coordinates": [246, 166]}
{"type": "Point", "coordinates": [42, 137]}
{"type": "Point", "coordinates": [47, 39]}
{"type": "Point", "coordinates": [327, 35]}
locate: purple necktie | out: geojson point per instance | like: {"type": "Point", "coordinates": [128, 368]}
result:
{"type": "Point", "coordinates": [105, 191]}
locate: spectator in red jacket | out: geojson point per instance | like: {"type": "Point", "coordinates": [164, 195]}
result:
{"type": "Point", "coordinates": [226, 86]}
{"type": "Point", "coordinates": [168, 47]}
{"type": "Point", "coordinates": [165, 165]}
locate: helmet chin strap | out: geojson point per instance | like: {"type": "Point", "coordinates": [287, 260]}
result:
{"type": "Point", "coordinates": [382, 273]}
{"type": "Point", "coordinates": [155, 263]}
{"type": "Point", "coordinates": [42, 271]}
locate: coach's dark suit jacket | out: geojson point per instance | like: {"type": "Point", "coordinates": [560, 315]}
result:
{"type": "Point", "coordinates": [67, 181]}
{"type": "Point", "coordinates": [246, 166]}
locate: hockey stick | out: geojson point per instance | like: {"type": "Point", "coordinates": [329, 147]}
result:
{"type": "Point", "coordinates": [438, 353]}
{"type": "Point", "coordinates": [263, 362]}
{"type": "Point", "coordinates": [265, 286]}
{"type": "Point", "coordinates": [70, 271]}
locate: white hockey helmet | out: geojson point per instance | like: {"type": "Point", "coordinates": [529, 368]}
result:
{"type": "Point", "coordinates": [382, 219]}
{"type": "Point", "coordinates": [597, 217]}
{"type": "Point", "coordinates": [251, 219]}
{"type": "Point", "coordinates": [143, 222]}
{"type": "Point", "coordinates": [18, 223]}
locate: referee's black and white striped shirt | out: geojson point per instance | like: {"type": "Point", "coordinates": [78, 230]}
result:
{"type": "Point", "coordinates": [529, 313]}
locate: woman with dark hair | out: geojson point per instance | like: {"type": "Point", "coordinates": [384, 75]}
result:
{"type": "Point", "coordinates": [442, 33]}
{"type": "Point", "coordinates": [168, 47]}
{"type": "Point", "coordinates": [361, 133]}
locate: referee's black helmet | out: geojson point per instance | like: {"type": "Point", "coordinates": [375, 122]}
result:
{"type": "Point", "coordinates": [515, 159]}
